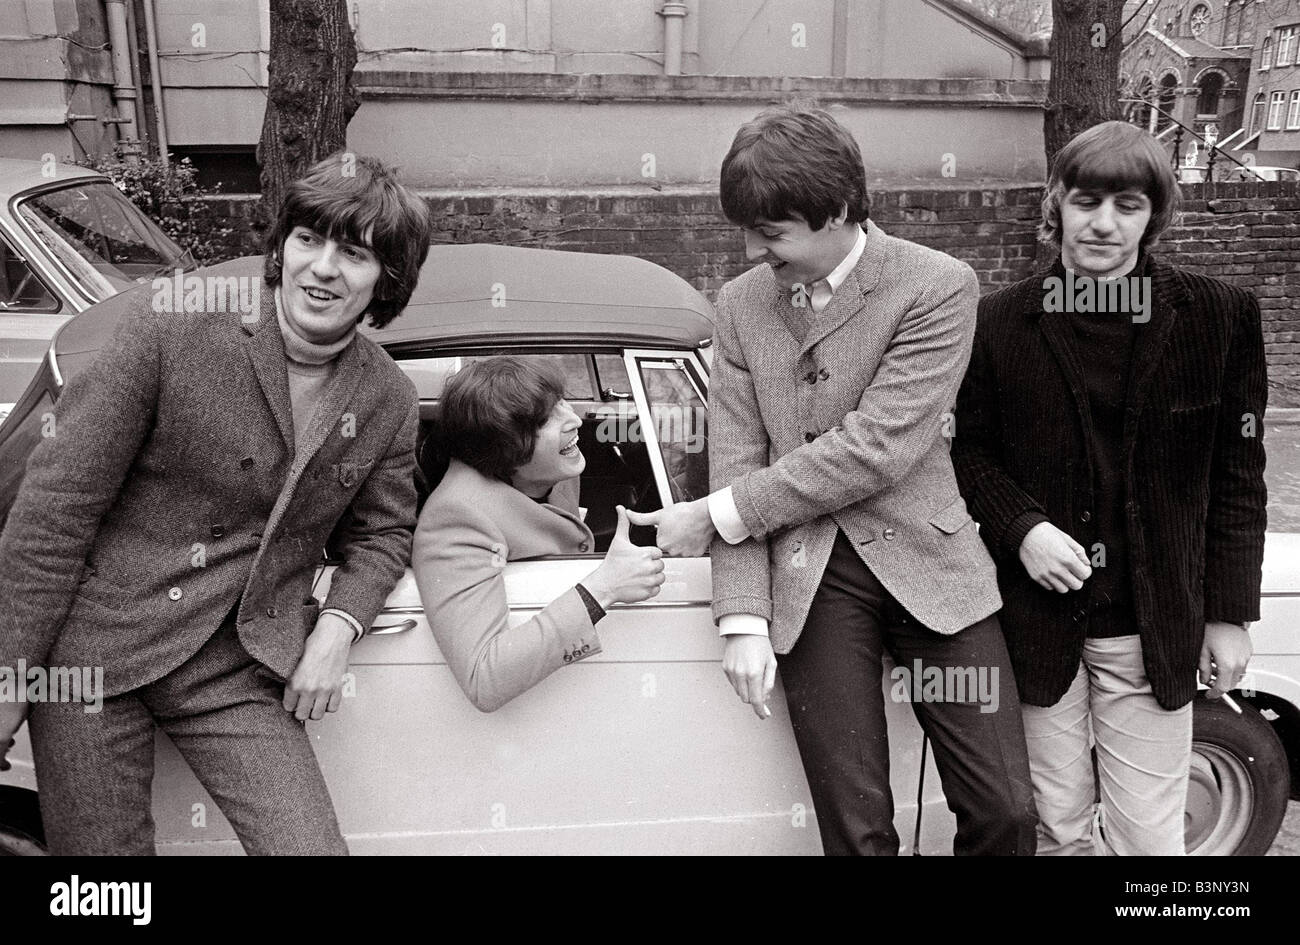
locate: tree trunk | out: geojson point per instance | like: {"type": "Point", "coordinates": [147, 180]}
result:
{"type": "Point", "coordinates": [311, 96]}
{"type": "Point", "coordinates": [1084, 87]}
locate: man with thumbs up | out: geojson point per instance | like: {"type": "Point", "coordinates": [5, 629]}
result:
{"type": "Point", "coordinates": [511, 492]}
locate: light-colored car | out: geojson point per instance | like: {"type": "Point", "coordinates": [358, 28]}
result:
{"type": "Point", "coordinates": [68, 240]}
{"type": "Point", "coordinates": [1266, 172]}
{"type": "Point", "coordinates": [643, 747]}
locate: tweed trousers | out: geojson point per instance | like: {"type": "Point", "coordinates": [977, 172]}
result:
{"type": "Point", "coordinates": [223, 710]}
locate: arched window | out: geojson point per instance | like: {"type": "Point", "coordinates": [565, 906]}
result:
{"type": "Point", "coordinates": [1141, 113]}
{"type": "Point", "coordinates": [1266, 56]}
{"type": "Point", "coordinates": [1168, 93]}
{"type": "Point", "coordinates": [1211, 86]}
{"type": "Point", "coordinates": [1232, 23]}
{"type": "Point", "coordinates": [1257, 114]}
{"type": "Point", "coordinates": [1199, 20]}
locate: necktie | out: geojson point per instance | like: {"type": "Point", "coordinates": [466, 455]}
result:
{"type": "Point", "coordinates": [821, 296]}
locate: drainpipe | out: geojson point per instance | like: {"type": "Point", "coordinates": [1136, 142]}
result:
{"type": "Point", "coordinates": [124, 90]}
{"type": "Point", "coordinates": [155, 81]}
{"type": "Point", "coordinates": [674, 13]}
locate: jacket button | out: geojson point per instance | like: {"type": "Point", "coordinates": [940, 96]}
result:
{"type": "Point", "coordinates": [809, 437]}
{"type": "Point", "coordinates": [218, 531]}
{"type": "Point", "coordinates": [272, 612]}
{"type": "Point", "coordinates": [888, 534]}
{"type": "Point", "coordinates": [584, 547]}
{"type": "Point", "coordinates": [174, 594]}
{"type": "Point", "coordinates": [824, 374]}
{"type": "Point", "coordinates": [246, 463]}
{"type": "Point", "coordinates": [811, 377]}
{"type": "Point", "coordinates": [1085, 516]}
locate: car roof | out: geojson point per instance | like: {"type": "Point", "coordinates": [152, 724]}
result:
{"type": "Point", "coordinates": [551, 298]}
{"type": "Point", "coordinates": [478, 294]}
{"type": "Point", "coordinates": [17, 174]}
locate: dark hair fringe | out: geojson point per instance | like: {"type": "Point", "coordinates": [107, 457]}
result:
{"type": "Point", "coordinates": [1108, 158]}
{"type": "Point", "coordinates": [793, 159]}
{"type": "Point", "coordinates": [344, 197]}
{"type": "Point", "coordinates": [492, 410]}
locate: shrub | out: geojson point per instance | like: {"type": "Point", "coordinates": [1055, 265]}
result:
{"type": "Point", "coordinates": [172, 198]}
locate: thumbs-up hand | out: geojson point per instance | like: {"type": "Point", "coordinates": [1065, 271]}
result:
{"type": "Point", "coordinates": [684, 529]}
{"type": "Point", "coordinates": [629, 573]}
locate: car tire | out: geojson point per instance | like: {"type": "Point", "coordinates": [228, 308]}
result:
{"type": "Point", "coordinates": [21, 833]}
{"type": "Point", "coordinates": [1239, 782]}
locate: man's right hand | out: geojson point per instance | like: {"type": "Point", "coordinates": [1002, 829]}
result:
{"type": "Point", "coordinates": [750, 666]}
{"type": "Point", "coordinates": [630, 573]}
{"type": "Point", "coordinates": [11, 717]}
{"type": "Point", "coordinates": [1054, 559]}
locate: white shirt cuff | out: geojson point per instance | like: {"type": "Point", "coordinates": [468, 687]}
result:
{"type": "Point", "coordinates": [726, 517]}
{"type": "Point", "coordinates": [358, 631]}
{"type": "Point", "coordinates": [733, 624]}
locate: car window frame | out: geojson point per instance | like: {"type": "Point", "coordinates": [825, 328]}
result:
{"type": "Point", "coordinates": [695, 373]}
{"type": "Point", "coordinates": [631, 357]}
{"type": "Point", "coordinates": [17, 252]}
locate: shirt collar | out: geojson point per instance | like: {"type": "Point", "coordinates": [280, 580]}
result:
{"type": "Point", "coordinates": [841, 272]}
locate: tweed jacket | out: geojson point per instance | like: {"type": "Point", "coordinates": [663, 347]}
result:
{"type": "Point", "coordinates": [1193, 471]}
{"type": "Point", "coordinates": [469, 528]}
{"type": "Point", "coordinates": [837, 421]}
{"type": "Point", "coordinates": [171, 493]}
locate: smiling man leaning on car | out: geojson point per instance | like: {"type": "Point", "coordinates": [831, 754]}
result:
{"type": "Point", "coordinates": [169, 530]}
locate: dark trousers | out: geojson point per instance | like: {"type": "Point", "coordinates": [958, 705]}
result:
{"type": "Point", "coordinates": [832, 679]}
{"type": "Point", "coordinates": [224, 712]}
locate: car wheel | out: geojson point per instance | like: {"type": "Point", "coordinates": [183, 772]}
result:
{"type": "Point", "coordinates": [21, 833]}
{"type": "Point", "coordinates": [1239, 782]}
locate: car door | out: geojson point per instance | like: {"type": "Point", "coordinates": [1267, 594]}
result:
{"type": "Point", "coordinates": [642, 747]}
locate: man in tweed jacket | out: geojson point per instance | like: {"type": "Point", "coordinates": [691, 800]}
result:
{"type": "Point", "coordinates": [1114, 456]}
{"type": "Point", "coordinates": [169, 531]}
{"type": "Point", "coordinates": [840, 521]}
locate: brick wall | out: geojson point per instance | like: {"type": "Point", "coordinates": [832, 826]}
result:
{"type": "Point", "coordinates": [1246, 234]}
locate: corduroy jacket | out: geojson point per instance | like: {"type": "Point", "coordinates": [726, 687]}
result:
{"type": "Point", "coordinates": [1193, 470]}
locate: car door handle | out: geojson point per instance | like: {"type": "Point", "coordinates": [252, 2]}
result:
{"type": "Point", "coordinates": [402, 627]}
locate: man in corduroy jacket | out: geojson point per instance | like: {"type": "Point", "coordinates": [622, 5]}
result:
{"type": "Point", "coordinates": [1109, 441]}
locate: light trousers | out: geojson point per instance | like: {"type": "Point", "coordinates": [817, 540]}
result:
{"type": "Point", "coordinates": [1132, 803]}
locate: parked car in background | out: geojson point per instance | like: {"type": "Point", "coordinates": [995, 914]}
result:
{"type": "Point", "coordinates": [68, 239]}
{"type": "Point", "coordinates": [1257, 172]}
{"type": "Point", "coordinates": [643, 747]}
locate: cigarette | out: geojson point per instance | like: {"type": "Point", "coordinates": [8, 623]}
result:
{"type": "Point", "coordinates": [1232, 703]}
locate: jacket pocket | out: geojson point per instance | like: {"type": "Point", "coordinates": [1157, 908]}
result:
{"type": "Point", "coordinates": [350, 475]}
{"type": "Point", "coordinates": [952, 518]}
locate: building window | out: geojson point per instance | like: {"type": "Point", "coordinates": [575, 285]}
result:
{"type": "Point", "coordinates": [1266, 57]}
{"type": "Point", "coordinates": [1165, 102]}
{"type": "Point", "coordinates": [1199, 19]}
{"type": "Point", "coordinates": [1211, 85]}
{"type": "Point", "coordinates": [1285, 38]}
{"type": "Point", "coordinates": [1275, 111]}
{"type": "Point", "coordinates": [1257, 114]}
{"type": "Point", "coordinates": [1232, 23]}
{"type": "Point", "coordinates": [1293, 113]}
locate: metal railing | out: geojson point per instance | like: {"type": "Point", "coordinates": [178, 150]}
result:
{"type": "Point", "coordinates": [1179, 128]}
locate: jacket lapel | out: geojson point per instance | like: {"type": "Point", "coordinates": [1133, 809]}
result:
{"type": "Point", "coordinates": [850, 298]}
{"type": "Point", "coordinates": [329, 412]}
{"type": "Point", "coordinates": [1060, 340]}
{"type": "Point", "coordinates": [266, 351]}
{"type": "Point", "coordinates": [1152, 343]}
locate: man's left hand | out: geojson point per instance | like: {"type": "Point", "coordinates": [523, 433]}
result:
{"type": "Point", "coordinates": [1224, 655]}
{"type": "Point", "coordinates": [316, 686]}
{"type": "Point", "coordinates": [685, 529]}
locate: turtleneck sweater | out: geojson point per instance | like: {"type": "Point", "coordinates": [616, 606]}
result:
{"type": "Point", "coordinates": [311, 367]}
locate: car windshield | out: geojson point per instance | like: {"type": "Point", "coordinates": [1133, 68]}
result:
{"type": "Point", "coordinates": [103, 241]}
